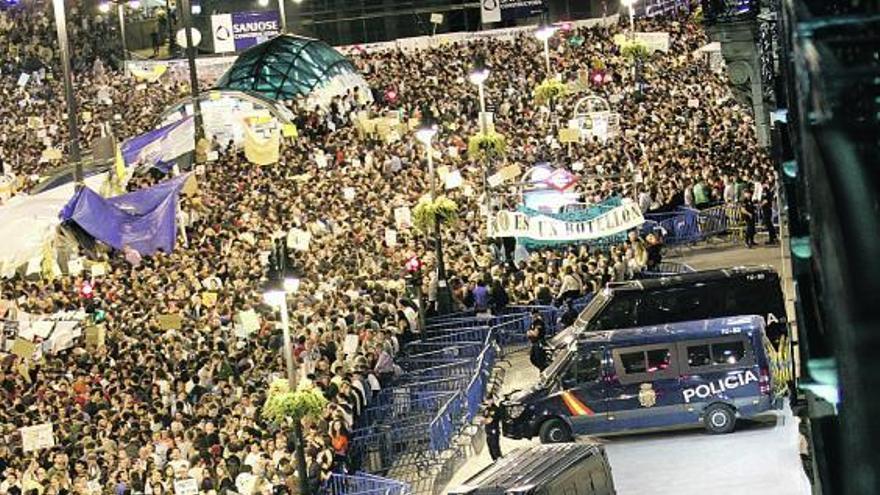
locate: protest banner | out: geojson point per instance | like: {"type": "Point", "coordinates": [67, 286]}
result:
{"type": "Point", "coordinates": [544, 228]}
{"type": "Point", "coordinates": [37, 437]}
{"type": "Point", "coordinates": [170, 321]}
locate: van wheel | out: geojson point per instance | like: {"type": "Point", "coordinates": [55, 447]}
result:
{"type": "Point", "coordinates": [555, 431]}
{"type": "Point", "coordinates": [719, 418]}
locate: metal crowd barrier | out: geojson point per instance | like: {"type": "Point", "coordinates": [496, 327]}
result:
{"type": "Point", "coordinates": [688, 225]}
{"type": "Point", "coordinates": [363, 484]}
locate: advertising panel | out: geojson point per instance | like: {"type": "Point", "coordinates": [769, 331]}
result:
{"type": "Point", "coordinates": [241, 30]}
{"type": "Point", "coordinates": [505, 10]}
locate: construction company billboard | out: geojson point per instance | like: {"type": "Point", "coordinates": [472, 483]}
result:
{"type": "Point", "coordinates": [505, 10]}
{"type": "Point", "coordinates": [239, 31]}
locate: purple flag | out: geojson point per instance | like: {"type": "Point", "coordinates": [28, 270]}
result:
{"type": "Point", "coordinates": [144, 220]}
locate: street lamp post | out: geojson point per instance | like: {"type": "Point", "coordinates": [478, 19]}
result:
{"type": "Point", "coordinates": [630, 4]}
{"type": "Point", "coordinates": [69, 96]}
{"type": "Point", "coordinates": [284, 280]}
{"type": "Point", "coordinates": [426, 132]}
{"type": "Point", "coordinates": [199, 129]}
{"type": "Point", "coordinates": [544, 33]}
{"type": "Point", "coordinates": [478, 76]}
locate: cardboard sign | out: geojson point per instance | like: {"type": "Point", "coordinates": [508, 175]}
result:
{"type": "Point", "coordinates": [98, 269]}
{"type": "Point", "coordinates": [350, 345]}
{"type": "Point", "coordinates": [436, 18]}
{"type": "Point", "coordinates": [188, 486]}
{"type": "Point", "coordinates": [453, 180]}
{"type": "Point", "coordinates": [248, 320]}
{"type": "Point", "coordinates": [95, 336]}
{"type": "Point", "coordinates": [170, 321]}
{"type": "Point", "coordinates": [402, 217]}
{"type": "Point", "coordinates": [209, 299]}
{"type": "Point", "coordinates": [693, 103]}
{"type": "Point", "coordinates": [37, 437]}
{"type": "Point", "coordinates": [289, 131]}
{"type": "Point", "coordinates": [23, 348]}
{"type": "Point", "coordinates": [299, 239]}
{"type": "Point", "coordinates": [569, 135]}
{"type": "Point", "coordinates": [390, 237]}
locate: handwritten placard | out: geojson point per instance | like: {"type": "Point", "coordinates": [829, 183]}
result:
{"type": "Point", "coordinates": [37, 437]}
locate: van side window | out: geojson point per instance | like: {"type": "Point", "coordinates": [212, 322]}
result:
{"type": "Point", "coordinates": [728, 352]}
{"type": "Point", "coordinates": [645, 363]}
{"type": "Point", "coordinates": [633, 362]}
{"type": "Point", "coordinates": [725, 352]}
{"type": "Point", "coordinates": [658, 360]}
{"type": "Point", "coordinates": [699, 355]}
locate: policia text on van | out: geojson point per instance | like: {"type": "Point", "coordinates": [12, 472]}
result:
{"type": "Point", "coordinates": [690, 296]}
{"type": "Point", "coordinates": [706, 372]}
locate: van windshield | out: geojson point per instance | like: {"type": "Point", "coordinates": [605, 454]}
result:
{"type": "Point", "coordinates": [559, 363]}
{"type": "Point", "coordinates": [564, 337]}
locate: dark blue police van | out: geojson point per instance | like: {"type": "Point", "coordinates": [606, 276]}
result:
{"type": "Point", "coordinates": [705, 372]}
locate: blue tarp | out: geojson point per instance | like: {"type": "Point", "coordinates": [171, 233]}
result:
{"type": "Point", "coordinates": [144, 220]}
{"type": "Point", "coordinates": [159, 148]}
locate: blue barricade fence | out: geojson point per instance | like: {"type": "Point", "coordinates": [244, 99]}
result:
{"type": "Point", "coordinates": [363, 484]}
{"type": "Point", "coordinates": [446, 423]}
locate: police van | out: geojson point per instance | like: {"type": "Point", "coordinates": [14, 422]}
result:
{"type": "Point", "coordinates": [689, 296]}
{"type": "Point", "coordinates": [706, 372]}
{"type": "Point", "coordinates": [570, 469]}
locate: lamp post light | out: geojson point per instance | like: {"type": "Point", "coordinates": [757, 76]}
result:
{"type": "Point", "coordinates": [199, 128]}
{"type": "Point", "coordinates": [283, 279]}
{"type": "Point", "coordinates": [630, 4]}
{"type": "Point", "coordinates": [69, 96]}
{"type": "Point", "coordinates": [544, 33]}
{"type": "Point", "coordinates": [478, 76]}
{"type": "Point", "coordinates": [425, 133]}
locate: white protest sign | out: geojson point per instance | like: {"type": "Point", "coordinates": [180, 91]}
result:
{"type": "Point", "coordinates": [299, 239]}
{"type": "Point", "coordinates": [37, 437]}
{"type": "Point", "coordinates": [42, 328]}
{"type": "Point", "coordinates": [693, 103]}
{"type": "Point", "coordinates": [436, 18]}
{"type": "Point", "coordinates": [453, 180]}
{"type": "Point", "coordinates": [348, 193]}
{"type": "Point", "coordinates": [390, 237]}
{"type": "Point", "coordinates": [23, 79]}
{"type": "Point", "coordinates": [188, 486]}
{"type": "Point", "coordinates": [402, 217]}
{"type": "Point", "coordinates": [248, 320]}
{"type": "Point", "coordinates": [350, 345]}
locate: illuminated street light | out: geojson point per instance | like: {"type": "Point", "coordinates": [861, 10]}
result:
{"type": "Point", "coordinates": [544, 33]}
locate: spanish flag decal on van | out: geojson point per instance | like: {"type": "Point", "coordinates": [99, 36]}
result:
{"type": "Point", "coordinates": [575, 406]}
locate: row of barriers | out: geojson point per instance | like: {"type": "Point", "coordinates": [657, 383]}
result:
{"type": "Point", "coordinates": [688, 225]}
{"type": "Point", "coordinates": [364, 484]}
{"type": "Point", "coordinates": [415, 431]}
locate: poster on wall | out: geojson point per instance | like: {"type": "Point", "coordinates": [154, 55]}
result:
{"type": "Point", "coordinates": [505, 10]}
{"type": "Point", "coordinates": [239, 31]}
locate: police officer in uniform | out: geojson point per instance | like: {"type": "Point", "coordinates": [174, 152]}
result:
{"type": "Point", "coordinates": [749, 215]}
{"type": "Point", "coordinates": [492, 422]}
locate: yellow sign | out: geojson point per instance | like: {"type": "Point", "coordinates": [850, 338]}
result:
{"type": "Point", "coordinates": [170, 321]}
{"type": "Point", "coordinates": [569, 135]}
{"type": "Point", "coordinates": [209, 299]}
{"type": "Point", "coordinates": [23, 348]}
{"type": "Point", "coordinates": [289, 131]}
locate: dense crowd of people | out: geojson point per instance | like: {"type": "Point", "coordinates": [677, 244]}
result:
{"type": "Point", "coordinates": [155, 405]}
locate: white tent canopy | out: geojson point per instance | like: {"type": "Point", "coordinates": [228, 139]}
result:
{"type": "Point", "coordinates": [27, 223]}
